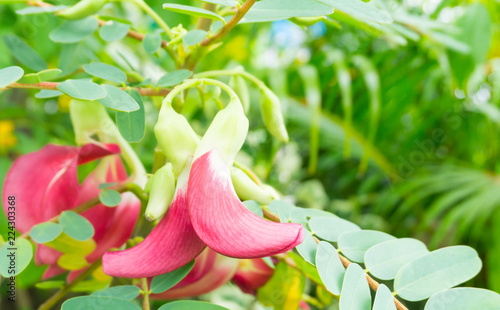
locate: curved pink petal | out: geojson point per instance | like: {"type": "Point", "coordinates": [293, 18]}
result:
{"type": "Point", "coordinates": [252, 274]}
{"type": "Point", "coordinates": [45, 255]}
{"type": "Point", "coordinates": [224, 224]}
{"type": "Point", "coordinates": [44, 184]}
{"type": "Point", "coordinates": [172, 244]}
{"type": "Point", "coordinates": [210, 271]}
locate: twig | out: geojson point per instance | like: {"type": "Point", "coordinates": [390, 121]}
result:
{"type": "Point", "coordinates": [230, 24]}
{"type": "Point", "coordinates": [372, 282]}
{"type": "Point", "coordinates": [52, 301]}
{"type": "Point", "coordinates": [161, 92]}
{"type": "Point", "coordinates": [145, 294]}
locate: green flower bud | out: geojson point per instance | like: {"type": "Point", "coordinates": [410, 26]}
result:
{"type": "Point", "coordinates": [248, 189]}
{"type": "Point", "coordinates": [90, 118]}
{"type": "Point", "coordinates": [307, 21]}
{"type": "Point", "coordinates": [82, 9]}
{"type": "Point", "coordinates": [272, 115]}
{"type": "Point", "coordinates": [161, 193]}
{"type": "Point", "coordinates": [176, 138]}
{"type": "Point", "coordinates": [240, 87]}
{"type": "Point", "coordinates": [226, 133]}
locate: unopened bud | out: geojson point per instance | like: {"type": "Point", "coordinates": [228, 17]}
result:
{"type": "Point", "coordinates": [240, 87]}
{"type": "Point", "coordinates": [89, 118]}
{"type": "Point", "coordinates": [175, 137]}
{"type": "Point", "coordinates": [82, 9]}
{"type": "Point", "coordinates": [248, 189]}
{"type": "Point", "coordinates": [307, 21]}
{"type": "Point", "coordinates": [272, 115]}
{"type": "Point", "coordinates": [162, 192]}
{"type": "Point", "coordinates": [226, 133]}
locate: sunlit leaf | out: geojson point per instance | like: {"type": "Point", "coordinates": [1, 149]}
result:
{"type": "Point", "coordinates": [355, 293]}
{"type": "Point", "coordinates": [105, 72]}
{"type": "Point", "coordinates": [330, 267]}
{"type": "Point", "coordinates": [74, 31]}
{"type": "Point", "coordinates": [436, 271]}
{"type": "Point", "coordinates": [10, 75]}
{"type": "Point", "coordinates": [165, 281]}
{"type": "Point", "coordinates": [76, 226]}
{"type": "Point", "coordinates": [330, 228]}
{"type": "Point", "coordinates": [45, 232]}
{"type": "Point", "coordinates": [354, 244]}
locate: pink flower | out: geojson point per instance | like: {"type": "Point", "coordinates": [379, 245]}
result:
{"type": "Point", "coordinates": [210, 271]}
{"type": "Point", "coordinates": [209, 213]}
{"type": "Point", "coordinates": [252, 274]}
{"type": "Point", "coordinates": [45, 183]}
{"type": "Point", "coordinates": [205, 210]}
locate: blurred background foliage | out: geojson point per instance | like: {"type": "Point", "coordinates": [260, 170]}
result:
{"type": "Point", "coordinates": [392, 126]}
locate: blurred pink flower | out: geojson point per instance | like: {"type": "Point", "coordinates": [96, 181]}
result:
{"type": "Point", "coordinates": [45, 183]}
{"type": "Point", "coordinates": [252, 274]}
{"type": "Point", "coordinates": [210, 271]}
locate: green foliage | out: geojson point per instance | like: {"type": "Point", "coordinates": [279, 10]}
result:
{"type": "Point", "coordinates": [10, 75]}
{"type": "Point", "coordinates": [76, 226]}
{"type": "Point", "coordinates": [190, 304]}
{"type": "Point", "coordinates": [165, 281]}
{"type": "Point", "coordinates": [16, 255]}
{"type": "Point", "coordinates": [45, 232]}
{"type": "Point", "coordinates": [110, 198]}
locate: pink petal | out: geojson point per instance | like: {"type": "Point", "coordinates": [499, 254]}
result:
{"type": "Point", "coordinates": [93, 151]}
{"type": "Point", "coordinates": [224, 224]}
{"type": "Point", "coordinates": [252, 274]}
{"type": "Point", "coordinates": [52, 271]}
{"type": "Point", "coordinates": [44, 184]}
{"type": "Point", "coordinates": [172, 244]}
{"type": "Point", "coordinates": [210, 271]}
{"type": "Point", "coordinates": [45, 255]}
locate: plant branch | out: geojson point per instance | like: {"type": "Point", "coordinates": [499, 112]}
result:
{"type": "Point", "coordinates": [372, 282]}
{"type": "Point", "coordinates": [52, 301]}
{"type": "Point", "coordinates": [230, 24]}
{"type": "Point", "coordinates": [162, 92]}
{"type": "Point", "coordinates": [145, 294]}
{"type": "Point", "coordinates": [204, 23]}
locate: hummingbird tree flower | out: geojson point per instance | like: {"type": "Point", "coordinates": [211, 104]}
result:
{"type": "Point", "coordinates": [252, 274]}
{"type": "Point", "coordinates": [54, 188]}
{"type": "Point", "coordinates": [205, 210]}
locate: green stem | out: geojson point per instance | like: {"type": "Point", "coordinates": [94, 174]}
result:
{"type": "Point", "coordinates": [52, 301]}
{"type": "Point", "coordinates": [153, 14]}
{"type": "Point", "coordinates": [145, 294]}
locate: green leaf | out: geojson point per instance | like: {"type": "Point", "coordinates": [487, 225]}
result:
{"type": "Point", "coordinates": [464, 298]}
{"type": "Point", "coordinates": [49, 74]}
{"type": "Point", "coordinates": [307, 249]}
{"type": "Point", "coordinates": [222, 2]}
{"type": "Point", "coordinates": [24, 53]}
{"type": "Point", "coordinates": [118, 100]}
{"type": "Point", "coordinates": [45, 232]}
{"type": "Point", "coordinates": [105, 72]}
{"type": "Point", "coordinates": [384, 299]}
{"type": "Point", "coordinates": [82, 89]}
{"type": "Point", "coordinates": [436, 271]}
{"type": "Point", "coordinates": [330, 228]}
{"type": "Point", "coordinates": [174, 78]}
{"type": "Point", "coordinates": [361, 10]}
{"type": "Point", "coordinates": [166, 281]}
{"type": "Point", "coordinates": [106, 185]}
{"type": "Point", "coordinates": [113, 31]}
{"type": "Point", "coordinates": [330, 267]}
{"type": "Point", "coordinates": [132, 125]}
{"type": "Point", "coordinates": [98, 303]}
{"type": "Point", "coordinates": [47, 93]}
{"type": "Point", "coordinates": [110, 197]}
{"type": "Point", "coordinates": [76, 226]}
{"type": "Point", "coordinates": [254, 206]}
{"type": "Point", "coordinates": [193, 11]}
{"type": "Point", "coordinates": [271, 10]}
{"type": "Point", "coordinates": [151, 42]}
{"type": "Point", "coordinates": [355, 293]}
{"type": "Point", "coordinates": [126, 292]}
{"type": "Point", "coordinates": [307, 269]}
{"type": "Point", "coordinates": [40, 9]}
{"type": "Point", "coordinates": [190, 305]}
{"type": "Point", "coordinates": [10, 75]}
{"type": "Point", "coordinates": [282, 209]}
{"type": "Point", "coordinates": [19, 251]}
{"type": "Point", "coordinates": [194, 37]}
{"type": "Point", "coordinates": [384, 260]}
{"type": "Point", "coordinates": [355, 243]}
{"type": "Point", "coordinates": [74, 31]}
{"type": "Point", "coordinates": [284, 290]}
{"type": "Point", "coordinates": [47, 285]}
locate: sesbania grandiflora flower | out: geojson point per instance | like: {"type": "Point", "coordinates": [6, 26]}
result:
{"type": "Point", "coordinates": [205, 210]}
